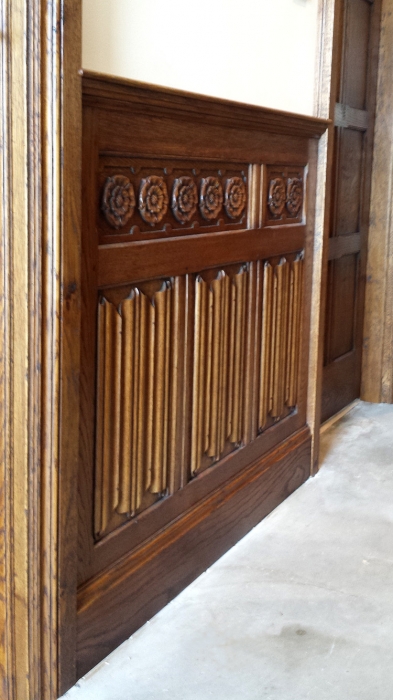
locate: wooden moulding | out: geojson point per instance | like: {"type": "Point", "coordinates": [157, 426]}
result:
{"type": "Point", "coordinates": [40, 174]}
{"type": "Point", "coordinates": [123, 94]}
{"type": "Point", "coordinates": [325, 87]}
{"type": "Point", "coordinates": [184, 549]}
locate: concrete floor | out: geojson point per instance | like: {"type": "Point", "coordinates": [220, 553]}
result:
{"type": "Point", "coordinates": [301, 608]}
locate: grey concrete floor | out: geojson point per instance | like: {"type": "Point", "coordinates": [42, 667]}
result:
{"type": "Point", "coordinates": [301, 608]}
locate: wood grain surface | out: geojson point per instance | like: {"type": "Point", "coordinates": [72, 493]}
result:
{"type": "Point", "coordinates": [198, 227]}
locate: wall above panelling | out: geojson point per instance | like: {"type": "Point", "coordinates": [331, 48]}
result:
{"type": "Point", "coordinates": [252, 51]}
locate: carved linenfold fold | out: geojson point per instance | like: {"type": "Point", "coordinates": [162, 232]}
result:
{"type": "Point", "coordinates": [280, 339]}
{"type": "Point", "coordinates": [218, 372]}
{"type": "Point", "coordinates": [266, 345]}
{"type": "Point", "coordinates": [139, 359]}
{"type": "Point", "coordinates": [294, 330]}
{"type": "Point", "coordinates": [133, 403]}
{"type": "Point", "coordinates": [108, 404]}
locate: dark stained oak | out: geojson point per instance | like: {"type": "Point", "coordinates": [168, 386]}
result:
{"type": "Point", "coordinates": [197, 223]}
{"type": "Point", "coordinates": [354, 83]}
{"type": "Point", "coordinates": [166, 564]}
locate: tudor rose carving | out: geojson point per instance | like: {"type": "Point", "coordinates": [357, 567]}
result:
{"type": "Point", "coordinates": [153, 199]}
{"type": "Point", "coordinates": [211, 198]}
{"type": "Point", "coordinates": [184, 199]}
{"type": "Point", "coordinates": [294, 195]}
{"type": "Point", "coordinates": [277, 196]}
{"type": "Point", "coordinates": [235, 197]}
{"type": "Point", "coordinates": [118, 201]}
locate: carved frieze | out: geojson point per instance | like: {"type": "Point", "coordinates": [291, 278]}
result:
{"type": "Point", "coordinates": [142, 196]}
{"type": "Point", "coordinates": [285, 195]}
{"type": "Point", "coordinates": [118, 200]}
{"type": "Point", "coordinates": [211, 198]}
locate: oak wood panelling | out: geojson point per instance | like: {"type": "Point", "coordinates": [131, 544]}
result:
{"type": "Point", "coordinates": [138, 427]}
{"type": "Point", "coordinates": [182, 551]}
{"type": "Point", "coordinates": [195, 333]}
{"type": "Point", "coordinates": [280, 339]}
{"type": "Point", "coordinates": [122, 96]}
{"type": "Point", "coordinates": [136, 412]}
{"type": "Point", "coordinates": [219, 366]}
{"type": "Point", "coordinates": [122, 263]}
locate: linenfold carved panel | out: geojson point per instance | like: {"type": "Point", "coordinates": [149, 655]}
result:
{"type": "Point", "coordinates": [218, 382]}
{"type": "Point", "coordinates": [134, 414]}
{"type": "Point", "coordinates": [139, 357]}
{"type": "Point", "coordinates": [280, 339]}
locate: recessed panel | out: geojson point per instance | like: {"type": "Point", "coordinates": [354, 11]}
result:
{"type": "Point", "coordinates": [342, 305]}
{"type": "Point", "coordinates": [349, 153]}
{"type": "Point", "coordinates": [356, 41]}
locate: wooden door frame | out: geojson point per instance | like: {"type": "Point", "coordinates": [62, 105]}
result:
{"type": "Point", "coordinates": [377, 368]}
{"type": "Point", "coordinates": [324, 93]}
{"type": "Point", "coordinates": [39, 338]}
{"type": "Point", "coordinates": [377, 362]}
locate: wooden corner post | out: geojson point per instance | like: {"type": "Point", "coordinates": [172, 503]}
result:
{"type": "Point", "coordinates": [39, 321]}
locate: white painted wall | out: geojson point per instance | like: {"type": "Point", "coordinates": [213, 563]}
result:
{"type": "Point", "coordinates": [256, 51]}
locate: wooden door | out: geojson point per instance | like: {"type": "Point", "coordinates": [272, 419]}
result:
{"type": "Point", "coordinates": [198, 219]}
{"type": "Point", "coordinates": [354, 86]}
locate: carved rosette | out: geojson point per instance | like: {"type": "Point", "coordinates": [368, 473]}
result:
{"type": "Point", "coordinates": [118, 200]}
{"type": "Point", "coordinates": [235, 197]}
{"type": "Point", "coordinates": [277, 196]}
{"type": "Point", "coordinates": [184, 199]}
{"type": "Point", "coordinates": [211, 198]}
{"type": "Point", "coordinates": [294, 195]}
{"type": "Point", "coordinates": [153, 199]}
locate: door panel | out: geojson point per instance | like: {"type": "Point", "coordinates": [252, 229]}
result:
{"type": "Point", "coordinates": [354, 69]}
{"type": "Point", "coordinates": [343, 305]}
{"type": "Point", "coordinates": [197, 239]}
{"type": "Point", "coordinates": [354, 75]}
{"type": "Point", "coordinates": [349, 159]}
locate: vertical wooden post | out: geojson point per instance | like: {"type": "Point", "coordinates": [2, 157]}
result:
{"type": "Point", "coordinates": [39, 317]}
{"type": "Point", "coordinates": [324, 99]}
{"type": "Point", "coordinates": [377, 370]}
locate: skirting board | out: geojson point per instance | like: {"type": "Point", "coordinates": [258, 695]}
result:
{"type": "Point", "coordinates": [146, 580]}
